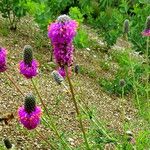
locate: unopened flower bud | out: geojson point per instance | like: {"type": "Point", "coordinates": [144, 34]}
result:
{"type": "Point", "coordinates": [63, 18]}
{"type": "Point", "coordinates": [148, 23]}
{"type": "Point", "coordinates": [7, 143]}
{"type": "Point", "coordinates": [76, 69]}
{"type": "Point", "coordinates": [57, 77]}
{"type": "Point", "coordinates": [146, 31]}
{"type": "Point", "coordinates": [122, 83]}
{"type": "Point", "coordinates": [126, 26]}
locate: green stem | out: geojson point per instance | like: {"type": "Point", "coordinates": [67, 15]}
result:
{"type": "Point", "coordinates": [134, 84]}
{"type": "Point", "coordinates": [65, 87]}
{"type": "Point", "coordinates": [95, 121]}
{"type": "Point", "coordinates": [122, 93]}
{"type": "Point", "coordinates": [87, 112]}
{"type": "Point", "coordinates": [122, 103]}
{"type": "Point", "coordinates": [125, 35]}
{"type": "Point", "coordinates": [77, 110]}
{"type": "Point", "coordinates": [147, 71]}
{"type": "Point", "coordinates": [50, 118]}
{"type": "Point", "coordinates": [41, 100]}
{"type": "Point", "coordinates": [13, 82]}
{"type": "Point", "coordinates": [43, 138]}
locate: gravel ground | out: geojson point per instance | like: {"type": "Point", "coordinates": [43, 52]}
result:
{"type": "Point", "coordinates": [56, 98]}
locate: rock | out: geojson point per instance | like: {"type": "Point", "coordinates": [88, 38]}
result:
{"type": "Point", "coordinates": [130, 133]}
{"type": "Point", "coordinates": [88, 49]}
{"type": "Point", "coordinates": [1, 128]}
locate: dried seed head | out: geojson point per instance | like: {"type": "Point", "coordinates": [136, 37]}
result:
{"type": "Point", "coordinates": [122, 83]}
{"type": "Point", "coordinates": [63, 18]}
{"type": "Point", "coordinates": [147, 23]}
{"type": "Point", "coordinates": [28, 54]}
{"type": "Point", "coordinates": [126, 26]}
{"type": "Point", "coordinates": [30, 103]}
{"type": "Point", "coordinates": [57, 77]}
{"type": "Point", "coordinates": [7, 143]}
{"type": "Point", "coordinates": [76, 69]}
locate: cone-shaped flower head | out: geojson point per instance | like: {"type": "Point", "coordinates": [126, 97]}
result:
{"type": "Point", "coordinates": [61, 34]}
{"type": "Point", "coordinates": [28, 54]}
{"type": "Point", "coordinates": [146, 32]}
{"type": "Point", "coordinates": [63, 18]}
{"type": "Point", "coordinates": [29, 114]}
{"type": "Point", "coordinates": [7, 143]}
{"type": "Point", "coordinates": [122, 83]}
{"type": "Point", "coordinates": [3, 54]}
{"type": "Point", "coordinates": [28, 66]}
{"type": "Point", "coordinates": [29, 104]}
{"type": "Point", "coordinates": [126, 26]}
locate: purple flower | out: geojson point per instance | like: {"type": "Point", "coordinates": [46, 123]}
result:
{"type": "Point", "coordinates": [3, 54]}
{"type": "Point", "coordinates": [146, 32]}
{"type": "Point", "coordinates": [62, 72]}
{"type": "Point", "coordinates": [28, 66]}
{"type": "Point", "coordinates": [61, 34]}
{"type": "Point", "coordinates": [29, 71]}
{"type": "Point", "coordinates": [29, 115]}
{"type": "Point", "coordinates": [29, 120]}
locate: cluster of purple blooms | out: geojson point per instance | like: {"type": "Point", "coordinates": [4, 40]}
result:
{"type": "Point", "coordinates": [29, 71]}
{"type": "Point", "coordinates": [29, 114]}
{"type": "Point", "coordinates": [3, 54]}
{"type": "Point", "coordinates": [62, 72]}
{"type": "Point", "coordinates": [146, 31]}
{"type": "Point", "coordinates": [29, 120]}
{"type": "Point", "coordinates": [28, 68]}
{"type": "Point", "coordinates": [61, 34]}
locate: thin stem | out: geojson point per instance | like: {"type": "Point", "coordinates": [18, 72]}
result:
{"type": "Point", "coordinates": [50, 118]}
{"type": "Point", "coordinates": [9, 18]}
{"type": "Point", "coordinates": [65, 86]}
{"type": "Point", "coordinates": [77, 110]}
{"type": "Point", "coordinates": [13, 82]}
{"type": "Point", "coordinates": [125, 36]}
{"type": "Point", "coordinates": [134, 83]}
{"type": "Point", "coordinates": [87, 112]}
{"type": "Point", "coordinates": [147, 72]}
{"type": "Point", "coordinates": [45, 108]}
{"type": "Point", "coordinates": [122, 103]}
{"type": "Point", "coordinates": [43, 138]}
{"type": "Point", "coordinates": [95, 121]}
{"type": "Point", "coordinates": [122, 93]}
